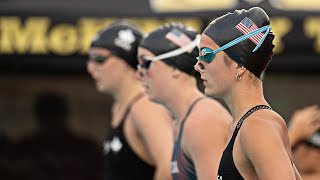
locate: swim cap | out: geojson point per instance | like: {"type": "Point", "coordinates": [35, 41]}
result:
{"type": "Point", "coordinates": [233, 25]}
{"type": "Point", "coordinates": [121, 38]}
{"type": "Point", "coordinates": [172, 37]}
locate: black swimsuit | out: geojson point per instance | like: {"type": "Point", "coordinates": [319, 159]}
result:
{"type": "Point", "coordinates": [121, 162]}
{"type": "Point", "coordinates": [227, 168]}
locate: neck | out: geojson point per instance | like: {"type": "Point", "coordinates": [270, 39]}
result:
{"type": "Point", "coordinates": [243, 97]}
{"type": "Point", "coordinates": [126, 91]}
{"type": "Point", "coordinates": [181, 102]}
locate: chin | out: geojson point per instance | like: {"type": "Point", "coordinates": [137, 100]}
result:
{"type": "Point", "coordinates": [211, 93]}
{"type": "Point", "coordinates": [102, 89]}
{"type": "Point", "coordinates": [99, 88]}
{"type": "Point", "coordinates": [147, 92]}
{"type": "Point", "coordinates": [208, 91]}
{"type": "Point", "coordinates": [153, 99]}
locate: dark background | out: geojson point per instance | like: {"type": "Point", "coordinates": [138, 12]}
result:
{"type": "Point", "coordinates": [292, 80]}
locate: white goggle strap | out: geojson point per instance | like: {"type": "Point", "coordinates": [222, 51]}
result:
{"type": "Point", "coordinates": [176, 52]}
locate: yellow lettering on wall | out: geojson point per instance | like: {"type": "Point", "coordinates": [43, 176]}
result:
{"type": "Point", "coordinates": [63, 39]}
{"type": "Point", "coordinates": [312, 30]}
{"type": "Point", "coordinates": [88, 27]}
{"type": "Point", "coordinates": [33, 36]}
{"type": "Point", "coordinates": [150, 24]}
{"type": "Point", "coordinates": [16, 38]}
{"type": "Point", "coordinates": [190, 5]}
{"type": "Point", "coordinates": [280, 27]}
{"type": "Point", "coordinates": [191, 22]}
{"type": "Point", "coordinates": [310, 5]}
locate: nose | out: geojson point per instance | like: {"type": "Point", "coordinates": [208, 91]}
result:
{"type": "Point", "coordinates": [90, 66]}
{"type": "Point", "coordinates": [140, 73]}
{"type": "Point", "coordinates": [199, 67]}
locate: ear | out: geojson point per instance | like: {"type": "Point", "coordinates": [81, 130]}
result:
{"type": "Point", "coordinates": [176, 73]}
{"type": "Point", "coordinates": [240, 70]}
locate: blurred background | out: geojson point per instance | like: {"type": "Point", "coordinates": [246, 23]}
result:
{"type": "Point", "coordinates": [44, 43]}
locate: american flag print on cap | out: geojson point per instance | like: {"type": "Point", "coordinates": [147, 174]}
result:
{"type": "Point", "coordinates": [246, 26]}
{"type": "Point", "coordinates": [178, 38]}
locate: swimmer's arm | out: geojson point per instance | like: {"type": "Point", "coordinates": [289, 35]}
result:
{"type": "Point", "coordinates": [303, 124]}
{"type": "Point", "coordinates": [155, 127]}
{"type": "Point", "coordinates": [266, 144]}
{"type": "Point", "coordinates": [205, 133]}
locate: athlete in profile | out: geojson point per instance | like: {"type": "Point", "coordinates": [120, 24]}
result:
{"type": "Point", "coordinates": [167, 56]}
{"type": "Point", "coordinates": [140, 142]}
{"type": "Point", "coordinates": [234, 51]}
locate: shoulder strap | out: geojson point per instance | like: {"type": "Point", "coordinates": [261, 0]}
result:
{"type": "Point", "coordinates": [187, 114]}
{"type": "Point", "coordinates": [128, 108]}
{"type": "Point", "coordinates": [248, 113]}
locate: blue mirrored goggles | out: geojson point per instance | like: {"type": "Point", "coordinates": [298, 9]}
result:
{"type": "Point", "coordinates": [208, 54]}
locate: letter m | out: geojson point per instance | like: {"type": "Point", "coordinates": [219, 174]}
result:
{"type": "Point", "coordinates": [17, 38]}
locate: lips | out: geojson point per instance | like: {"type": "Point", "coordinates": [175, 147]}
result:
{"type": "Point", "coordinates": [147, 90]}
{"type": "Point", "coordinates": [145, 86]}
{"type": "Point", "coordinates": [95, 79]}
{"type": "Point", "coordinates": [203, 79]}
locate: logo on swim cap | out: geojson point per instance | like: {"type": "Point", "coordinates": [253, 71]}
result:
{"type": "Point", "coordinates": [125, 39]}
{"type": "Point", "coordinates": [178, 38]}
{"type": "Point", "coordinates": [246, 26]}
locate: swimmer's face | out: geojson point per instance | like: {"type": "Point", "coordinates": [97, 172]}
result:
{"type": "Point", "coordinates": [155, 76]}
{"type": "Point", "coordinates": [103, 72]}
{"type": "Point", "coordinates": [217, 76]}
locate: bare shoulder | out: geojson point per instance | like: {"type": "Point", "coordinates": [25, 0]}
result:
{"type": "Point", "coordinates": [263, 140]}
{"type": "Point", "coordinates": [265, 127]}
{"type": "Point", "coordinates": [211, 111]}
{"type": "Point", "coordinates": [264, 121]}
{"type": "Point", "coordinates": [153, 125]}
{"type": "Point", "coordinates": [148, 113]}
{"type": "Point", "coordinates": [146, 102]}
{"type": "Point", "coordinates": [208, 118]}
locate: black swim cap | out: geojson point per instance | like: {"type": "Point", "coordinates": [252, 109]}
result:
{"type": "Point", "coordinates": [233, 25]}
{"type": "Point", "coordinates": [121, 38]}
{"type": "Point", "coordinates": [171, 37]}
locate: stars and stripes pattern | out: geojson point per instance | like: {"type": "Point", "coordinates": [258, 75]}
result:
{"type": "Point", "coordinates": [246, 26]}
{"type": "Point", "coordinates": [178, 38]}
